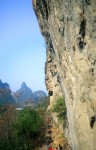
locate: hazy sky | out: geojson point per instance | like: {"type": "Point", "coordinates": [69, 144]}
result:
{"type": "Point", "coordinates": [22, 50]}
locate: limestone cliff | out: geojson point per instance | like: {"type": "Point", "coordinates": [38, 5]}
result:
{"type": "Point", "coordinates": [69, 30]}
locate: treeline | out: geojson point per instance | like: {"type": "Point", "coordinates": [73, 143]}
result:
{"type": "Point", "coordinates": [20, 130]}
{"type": "Point", "coordinates": [43, 103]}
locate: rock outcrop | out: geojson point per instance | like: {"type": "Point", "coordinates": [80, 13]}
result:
{"type": "Point", "coordinates": [69, 30]}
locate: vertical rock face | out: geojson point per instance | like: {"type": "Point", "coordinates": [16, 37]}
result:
{"type": "Point", "coordinates": [69, 29]}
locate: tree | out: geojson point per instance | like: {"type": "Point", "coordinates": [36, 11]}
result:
{"type": "Point", "coordinates": [19, 130]}
{"type": "Point", "coordinates": [29, 122]}
{"type": "Point", "coordinates": [7, 121]}
{"type": "Point", "coordinates": [44, 102]}
{"type": "Point", "coordinates": [28, 128]}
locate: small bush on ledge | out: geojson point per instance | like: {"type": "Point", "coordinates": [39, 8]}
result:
{"type": "Point", "coordinates": [60, 108]}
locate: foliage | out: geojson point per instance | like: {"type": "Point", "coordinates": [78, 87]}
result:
{"type": "Point", "coordinates": [7, 121]}
{"type": "Point", "coordinates": [19, 131]}
{"type": "Point", "coordinates": [60, 108]}
{"type": "Point", "coordinates": [29, 123]}
{"type": "Point", "coordinates": [44, 103]}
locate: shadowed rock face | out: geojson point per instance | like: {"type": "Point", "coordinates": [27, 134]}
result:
{"type": "Point", "coordinates": [69, 30]}
{"type": "Point", "coordinates": [5, 94]}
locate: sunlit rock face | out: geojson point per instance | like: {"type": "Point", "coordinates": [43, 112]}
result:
{"type": "Point", "coordinates": [69, 30]}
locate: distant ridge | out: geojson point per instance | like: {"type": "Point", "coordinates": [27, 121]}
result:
{"type": "Point", "coordinates": [25, 95]}
{"type": "Point", "coordinates": [5, 94]}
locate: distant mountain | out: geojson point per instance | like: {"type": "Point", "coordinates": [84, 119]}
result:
{"type": "Point", "coordinates": [5, 94]}
{"type": "Point", "coordinates": [25, 95]}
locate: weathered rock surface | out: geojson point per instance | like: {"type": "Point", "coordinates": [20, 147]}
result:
{"type": "Point", "coordinates": [69, 29]}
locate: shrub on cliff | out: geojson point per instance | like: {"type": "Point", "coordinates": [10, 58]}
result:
{"type": "Point", "coordinates": [60, 108]}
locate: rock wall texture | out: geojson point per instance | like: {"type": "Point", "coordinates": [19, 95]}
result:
{"type": "Point", "coordinates": [69, 30]}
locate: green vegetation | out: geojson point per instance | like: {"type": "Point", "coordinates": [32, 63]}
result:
{"type": "Point", "coordinates": [29, 123]}
{"type": "Point", "coordinates": [20, 130]}
{"type": "Point", "coordinates": [7, 121]}
{"type": "Point", "coordinates": [43, 103]}
{"type": "Point", "coordinates": [60, 108]}
{"type": "Point", "coordinates": [23, 129]}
